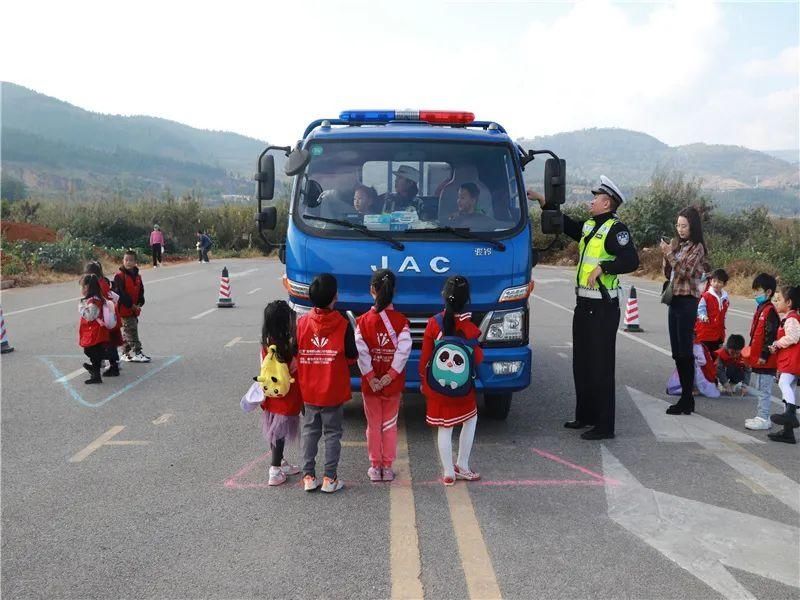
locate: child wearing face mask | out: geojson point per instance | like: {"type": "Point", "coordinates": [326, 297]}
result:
{"type": "Point", "coordinates": [763, 333]}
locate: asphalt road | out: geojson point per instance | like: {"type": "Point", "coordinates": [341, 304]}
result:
{"type": "Point", "coordinates": [153, 485]}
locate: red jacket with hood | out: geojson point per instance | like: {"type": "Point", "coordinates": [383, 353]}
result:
{"type": "Point", "coordinates": [129, 286]}
{"type": "Point", "coordinates": [325, 348]}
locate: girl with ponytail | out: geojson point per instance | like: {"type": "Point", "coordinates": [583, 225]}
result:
{"type": "Point", "coordinates": [445, 411]}
{"type": "Point", "coordinates": [383, 338]}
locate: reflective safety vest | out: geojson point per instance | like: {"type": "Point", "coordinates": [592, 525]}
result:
{"type": "Point", "coordinates": [594, 252]}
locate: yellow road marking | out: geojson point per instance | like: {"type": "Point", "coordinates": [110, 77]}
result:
{"type": "Point", "coordinates": [354, 444]}
{"type": "Point", "coordinates": [478, 570]}
{"type": "Point", "coordinates": [475, 560]}
{"type": "Point", "coordinates": [105, 440]}
{"type": "Point", "coordinates": [754, 487]}
{"type": "Point", "coordinates": [404, 554]}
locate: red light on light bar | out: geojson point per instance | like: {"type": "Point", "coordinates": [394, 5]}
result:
{"type": "Point", "coordinates": [445, 117]}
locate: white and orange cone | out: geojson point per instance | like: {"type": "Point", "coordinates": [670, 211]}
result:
{"type": "Point", "coordinates": [632, 313]}
{"type": "Point", "coordinates": [225, 300]}
{"type": "Point", "coordinates": [5, 347]}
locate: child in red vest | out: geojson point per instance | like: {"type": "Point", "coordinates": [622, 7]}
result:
{"type": "Point", "coordinates": [383, 338]}
{"type": "Point", "coordinates": [787, 348]}
{"type": "Point", "coordinates": [326, 346]}
{"type": "Point", "coordinates": [763, 333]}
{"type": "Point", "coordinates": [709, 328]}
{"type": "Point", "coordinates": [115, 334]}
{"type": "Point", "coordinates": [280, 420]}
{"type": "Point", "coordinates": [731, 367]}
{"type": "Point", "coordinates": [92, 331]}
{"type": "Point", "coordinates": [442, 411]}
{"type": "Point", "coordinates": [130, 288]}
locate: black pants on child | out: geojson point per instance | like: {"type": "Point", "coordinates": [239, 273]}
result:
{"type": "Point", "coordinates": [96, 354]}
{"type": "Point", "coordinates": [277, 453]}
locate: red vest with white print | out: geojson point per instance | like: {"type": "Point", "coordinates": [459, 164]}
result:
{"type": "Point", "coordinates": [381, 348]}
{"type": "Point", "coordinates": [757, 335]}
{"type": "Point", "coordinates": [714, 329]}
{"type": "Point", "coordinates": [133, 287]}
{"type": "Point", "coordinates": [789, 358]}
{"type": "Point", "coordinates": [91, 333]}
{"type": "Point", "coordinates": [322, 368]}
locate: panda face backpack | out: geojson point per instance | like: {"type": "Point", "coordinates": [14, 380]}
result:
{"type": "Point", "coordinates": [451, 370]}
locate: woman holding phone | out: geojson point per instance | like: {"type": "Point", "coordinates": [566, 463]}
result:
{"type": "Point", "coordinates": [685, 259]}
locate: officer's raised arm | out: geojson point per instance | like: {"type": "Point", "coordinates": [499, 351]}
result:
{"type": "Point", "coordinates": [571, 227]}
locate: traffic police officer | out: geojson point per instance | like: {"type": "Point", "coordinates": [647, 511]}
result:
{"type": "Point", "coordinates": [606, 250]}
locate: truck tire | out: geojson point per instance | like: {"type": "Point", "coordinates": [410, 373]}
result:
{"type": "Point", "coordinates": [497, 405]}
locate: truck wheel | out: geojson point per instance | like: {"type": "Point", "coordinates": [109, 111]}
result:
{"type": "Point", "coordinates": [497, 405]}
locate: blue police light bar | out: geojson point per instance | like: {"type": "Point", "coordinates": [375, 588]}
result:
{"type": "Point", "coordinates": [441, 117]}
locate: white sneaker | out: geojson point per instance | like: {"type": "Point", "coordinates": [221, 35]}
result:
{"type": "Point", "coordinates": [125, 357]}
{"type": "Point", "coordinates": [140, 358]}
{"type": "Point", "coordinates": [289, 469]}
{"type": "Point", "coordinates": [331, 485]}
{"type": "Point", "coordinates": [276, 476]}
{"type": "Point", "coordinates": [310, 483]}
{"type": "Point", "coordinates": [757, 423]}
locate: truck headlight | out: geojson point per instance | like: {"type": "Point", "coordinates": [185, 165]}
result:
{"type": "Point", "coordinates": [505, 326]}
{"type": "Point", "coordinates": [295, 288]}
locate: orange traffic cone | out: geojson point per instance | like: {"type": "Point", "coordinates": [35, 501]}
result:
{"type": "Point", "coordinates": [225, 300]}
{"type": "Point", "coordinates": [5, 347]}
{"type": "Point", "coordinates": [632, 313]}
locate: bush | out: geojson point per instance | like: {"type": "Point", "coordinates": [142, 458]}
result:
{"type": "Point", "coordinates": [68, 255]}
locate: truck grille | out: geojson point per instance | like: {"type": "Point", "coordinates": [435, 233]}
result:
{"type": "Point", "coordinates": [417, 323]}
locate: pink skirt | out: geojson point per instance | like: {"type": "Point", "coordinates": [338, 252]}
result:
{"type": "Point", "coordinates": [279, 427]}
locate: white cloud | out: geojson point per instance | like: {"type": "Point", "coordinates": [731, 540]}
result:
{"type": "Point", "coordinates": [267, 69]}
{"type": "Point", "coordinates": [786, 63]}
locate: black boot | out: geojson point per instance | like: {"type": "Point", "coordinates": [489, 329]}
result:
{"type": "Point", "coordinates": [112, 370]}
{"type": "Point", "coordinates": [95, 376]}
{"type": "Point", "coordinates": [685, 405]}
{"type": "Point", "coordinates": [788, 418]}
{"type": "Point", "coordinates": [786, 435]}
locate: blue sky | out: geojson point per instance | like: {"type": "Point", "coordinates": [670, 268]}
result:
{"type": "Point", "coordinates": [684, 72]}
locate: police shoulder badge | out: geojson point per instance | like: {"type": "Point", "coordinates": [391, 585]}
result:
{"type": "Point", "coordinates": [623, 237]}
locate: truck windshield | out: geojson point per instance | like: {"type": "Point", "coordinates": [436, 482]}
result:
{"type": "Point", "coordinates": [410, 186]}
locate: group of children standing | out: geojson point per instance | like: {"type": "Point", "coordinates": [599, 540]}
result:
{"type": "Point", "coordinates": [317, 351]}
{"type": "Point", "coordinates": [109, 317]}
{"type": "Point", "coordinates": [773, 351]}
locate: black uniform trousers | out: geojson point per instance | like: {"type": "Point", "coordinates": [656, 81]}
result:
{"type": "Point", "coordinates": [594, 343]}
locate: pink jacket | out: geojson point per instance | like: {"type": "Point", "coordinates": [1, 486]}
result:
{"type": "Point", "coordinates": [156, 237]}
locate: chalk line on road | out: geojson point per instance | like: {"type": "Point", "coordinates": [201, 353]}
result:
{"type": "Point", "coordinates": [204, 313]}
{"type": "Point", "coordinates": [253, 291]}
{"type": "Point", "coordinates": [105, 440]}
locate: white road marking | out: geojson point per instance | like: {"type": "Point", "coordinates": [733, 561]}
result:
{"type": "Point", "coordinates": [242, 273]}
{"type": "Point", "coordinates": [204, 313]}
{"type": "Point", "coordinates": [719, 439]}
{"type": "Point", "coordinates": [105, 440]}
{"type": "Point", "coordinates": [562, 355]}
{"type": "Point", "coordinates": [253, 291]}
{"type": "Point", "coordinates": [702, 538]}
{"type": "Point", "coordinates": [233, 342]}
{"type": "Point", "coordinates": [69, 376]}
{"type": "Point", "coordinates": [163, 419]}
{"type": "Point", "coordinates": [553, 280]}
{"type": "Point", "coordinates": [49, 304]}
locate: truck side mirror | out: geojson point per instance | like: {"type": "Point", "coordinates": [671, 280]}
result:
{"type": "Point", "coordinates": [267, 218]}
{"type": "Point", "coordinates": [552, 221]}
{"type": "Point", "coordinates": [555, 182]}
{"type": "Point", "coordinates": [265, 178]}
{"type": "Point", "coordinates": [297, 161]}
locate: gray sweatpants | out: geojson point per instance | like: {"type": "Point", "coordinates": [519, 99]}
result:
{"type": "Point", "coordinates": [319, 421]}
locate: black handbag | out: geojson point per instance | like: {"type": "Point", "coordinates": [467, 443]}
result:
{"type": "Point", "coordinates": [666, 292]}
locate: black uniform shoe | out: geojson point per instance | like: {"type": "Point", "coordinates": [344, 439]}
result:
{"type": "Point", "coordinates": [112, 371]}
{"type": "Point", "coordinates": [95, 378]}
{"type": "Point", "coordinates": [88, 367]}
{"type": "Point", "coordinates": [576, 424]}
{"type": "Point", "coordinates": [787, 418]}
{"type": "Point", "coordinates": [597, 434]}
{"type": "Point", "coordinates": [786, 436]}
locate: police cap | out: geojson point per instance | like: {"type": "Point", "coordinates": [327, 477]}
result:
{"type": "Point", "coordinates": [610, 189]}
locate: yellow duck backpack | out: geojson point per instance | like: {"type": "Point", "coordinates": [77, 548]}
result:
{"type": "Point", "coordinates": [275, 378]}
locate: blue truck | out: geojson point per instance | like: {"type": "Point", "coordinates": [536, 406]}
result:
{"type": "Point", "coordinates": [427, 194]}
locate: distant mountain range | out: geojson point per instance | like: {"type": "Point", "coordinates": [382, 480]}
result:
{"type": "Point", "coordinates": [62, 151]}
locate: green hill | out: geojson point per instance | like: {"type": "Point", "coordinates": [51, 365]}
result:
{"type": "Point", "coordinates": [736, 177]}
{"type": "Point", "coordinates": [58, 149]}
